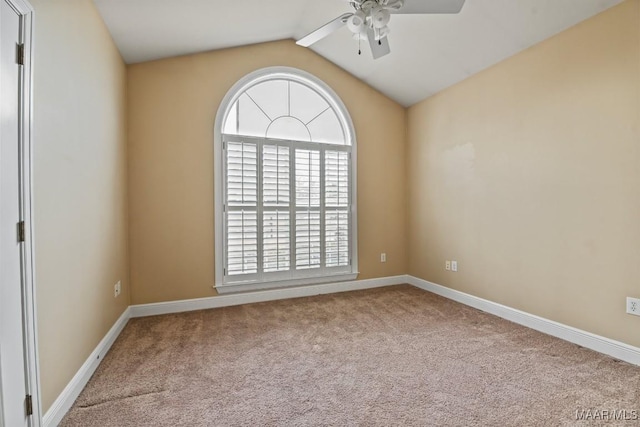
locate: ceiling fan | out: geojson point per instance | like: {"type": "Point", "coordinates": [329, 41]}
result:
{"type": "Point", "coordinates": [370, 18]}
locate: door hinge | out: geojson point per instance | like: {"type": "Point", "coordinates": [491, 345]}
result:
{"type": "Point", "coordinates": [20, 54]}
{"type": "Point", "coordinates": [28, 403]}
{"type": "Point", "coordinates": [21, 231]}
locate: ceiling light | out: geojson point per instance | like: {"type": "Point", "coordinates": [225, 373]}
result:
{"type": "Point", "coordinates": [357, 21]}
{"type": "Point", "coordinates": [372, 15]}
{"type": "Point", "coordinates": [380, 17]}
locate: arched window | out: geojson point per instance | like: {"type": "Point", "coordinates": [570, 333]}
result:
{"type": "Point", "coordinates": [285, 183]}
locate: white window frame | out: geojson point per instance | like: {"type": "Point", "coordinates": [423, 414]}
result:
{"type": "Point", "coordinates": [254, 282]}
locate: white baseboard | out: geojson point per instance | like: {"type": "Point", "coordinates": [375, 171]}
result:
{"type": "Point", "coordinates": [594, 342]}
{"type": "Point", "coordinates": [154, 309]}
{"type": "Point", "coordinates": [71, 392]}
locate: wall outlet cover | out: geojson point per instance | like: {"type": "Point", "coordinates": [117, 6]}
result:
{"type": "Point", "coordinates": [633, 306]}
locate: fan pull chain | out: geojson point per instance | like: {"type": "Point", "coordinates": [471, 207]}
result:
{"type": "Point", "coordinates": [359, 50]}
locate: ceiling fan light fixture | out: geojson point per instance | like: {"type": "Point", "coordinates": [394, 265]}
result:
{"type": "Point", "coordinates": [380, 17]}
{"type": "Point", "coordinates": [356, 22]}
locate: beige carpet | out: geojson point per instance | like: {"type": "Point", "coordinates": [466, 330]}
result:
{"type": "Point", "coordinates": [389, 356]}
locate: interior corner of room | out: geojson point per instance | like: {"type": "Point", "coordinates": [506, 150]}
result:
{"type": "Point", "coordinates": [524, 174]}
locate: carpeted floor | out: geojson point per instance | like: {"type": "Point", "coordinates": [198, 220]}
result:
{"type": "Point", "coordinates": [388, 356]}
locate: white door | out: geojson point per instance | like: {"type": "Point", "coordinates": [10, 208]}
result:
{"type": "Point", "coordinates": [12, 341]}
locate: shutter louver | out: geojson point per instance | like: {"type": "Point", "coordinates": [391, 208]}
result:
{"type": "Point", "coordinates": [336, 172]}
{"type": "Point", "coordinates": [307, 226]}
{"type": "Point", "coordinates": [336, 232]}
{"type": "Point", "coordinates": [337, 238]}
{"type": "Point", "coordinates": [276, 250]}
{"type": "Point", "coordinates": [242, 199]}
{"type": "Point", "coordinates": [307, 178]}
{"type": "Point", "coordinates": [307, 240]}
{"type": "Point", "coordinates": [242, 176]}
{"type": "Point", "coordinates": [275, 175]}
{"type": "Point", "coordinates": [242, 242]}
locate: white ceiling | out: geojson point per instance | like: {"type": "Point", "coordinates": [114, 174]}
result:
{"type": "Point", "coordinates": [428, 52]}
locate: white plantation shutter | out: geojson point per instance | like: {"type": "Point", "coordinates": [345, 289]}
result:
{"type": "Point", "coordinates": [242, 199]}
{"type": "Point", "coordinates": [307, 227]}
{"type": "Point", "coordinates": [242, 246]}
{"type": "Point", "coordinates": [276, 231]}
{"type": "Point", "coordinates": [337, 238]}
{"type": "Point", "coordinates": [337, 201]}
{"type": "Point", "coordinates": [307, 239]}
{"type": "Point", "coordinates": [242, 174]}
{"type": "Point", "coordinates": [275, 172]}
{"type": "Point", "coordinates": [308, 178]}
{"type": "Point", "coordinates": [336, 171]}
{"type": "Point", "coordinates": [288, 211]}
{"type": "Point", "coordinates": [286, 197]}
{"type": "Point", "coordinates": [276, 192]}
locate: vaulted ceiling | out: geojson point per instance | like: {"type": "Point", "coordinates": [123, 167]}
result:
{"type": "Point", "coordinates": [428, 52]}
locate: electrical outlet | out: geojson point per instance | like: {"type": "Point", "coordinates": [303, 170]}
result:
{"type": "Point", "coordinates": [633, 306]}
{"type": "Point", "coordinates": [117, 288]}
{"type": "Point", "coordinates": [383, 257]}
{"type": "Point", "coordinates": [454, 265]}
{"type": "Point", "coordinates": [447, 265]}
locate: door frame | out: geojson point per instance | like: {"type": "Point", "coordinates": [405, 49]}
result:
{"type": "Point", "coordinates": [30, 331]}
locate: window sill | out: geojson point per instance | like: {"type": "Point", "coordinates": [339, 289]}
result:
{"type": "Point", "coordinates": [232, 288]}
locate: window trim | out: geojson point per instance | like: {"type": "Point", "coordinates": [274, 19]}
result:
{"type": "Point", "coordinates": [312, 82]}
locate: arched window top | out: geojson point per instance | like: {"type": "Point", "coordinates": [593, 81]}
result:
{"type": "Point", "coordinates": [287, 104]}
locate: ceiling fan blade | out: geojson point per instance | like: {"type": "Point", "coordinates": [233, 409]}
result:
{"type": "Point", "coordinates": [379, 48]}
{"type": "Point", "coordinates": [430, 6]}
{"type": "Point", "coordinates": [324, 31]}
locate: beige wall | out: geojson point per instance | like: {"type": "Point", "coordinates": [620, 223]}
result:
{"type": "Point", "coordinates": [79, 184]}
{"type": "Point", "coordinates": [528, 175]}
{"type": "Point", "coordinates": [172, 108]}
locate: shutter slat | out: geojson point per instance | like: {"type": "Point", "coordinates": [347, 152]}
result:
{"type": "Point", "coordinates": [336, 233]}
{"type": "Point", "coordinates": [336, 178]}
{"type": "Point", "coordinates": [308, 240]}
{"type": "Point", "coordinates": [275, 175]}
{"type": "Point", "coordinates": [242, 174]}
{"type": "Point", "coordinates": [307, 178]}
{"type": "Point", "coordinates": [337, 238]}
{"type": "Point", "coordinates": [242, 242]}
{"type": "Point", "coordinates": [276, 240]}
